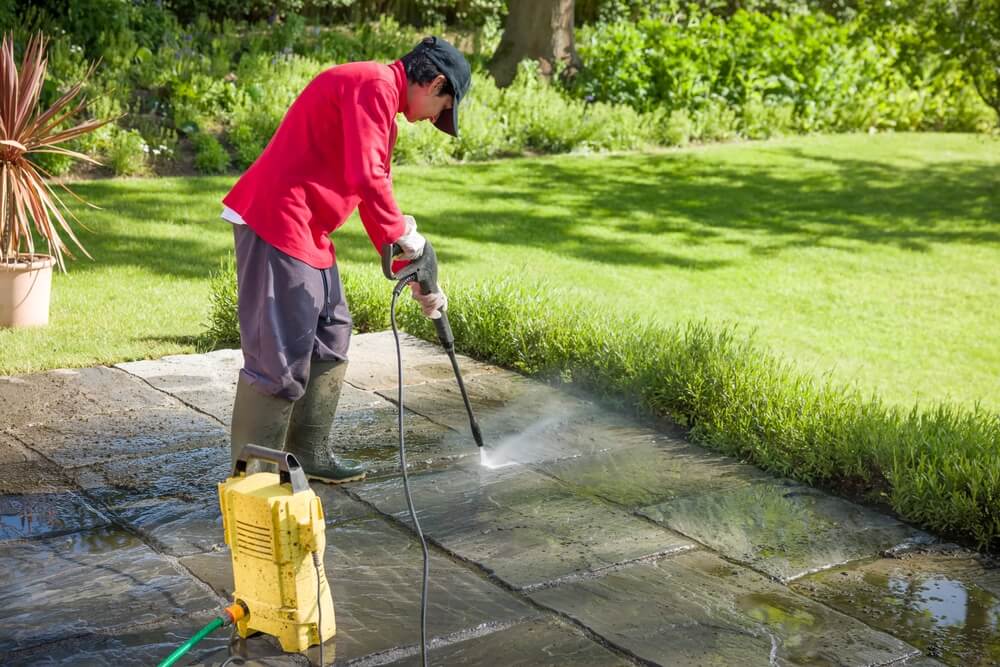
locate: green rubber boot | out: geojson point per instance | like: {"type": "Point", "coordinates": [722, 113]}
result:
{"type": "Point", "coordinates": [310, 426]}
{"type": "Point", "coordinates": [258, 419]}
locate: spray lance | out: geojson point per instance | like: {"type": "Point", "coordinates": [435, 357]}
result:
{"type": "Point", "coordinates": [422, 271]}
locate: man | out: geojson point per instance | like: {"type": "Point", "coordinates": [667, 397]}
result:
{"type": "Point", "coordinates": [330, 155]}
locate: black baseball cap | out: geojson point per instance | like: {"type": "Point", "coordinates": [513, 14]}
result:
{"type": "Point", "coordinates": [455, 68]}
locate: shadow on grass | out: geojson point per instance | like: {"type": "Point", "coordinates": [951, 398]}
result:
{"type": "Point", "coordinates": [798, 199]}
{"type": "Point", "coordinates": [169, 227]}
{"type": "Point", "coordinates": [773, 199]}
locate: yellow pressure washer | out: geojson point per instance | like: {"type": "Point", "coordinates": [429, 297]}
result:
{"type": "Point", "coordinates": [276, 534]}
{"type": "Point", "coordinates": [275, 530]}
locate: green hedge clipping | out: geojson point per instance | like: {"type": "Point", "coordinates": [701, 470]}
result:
{"type": "Point", "coordinates": [938, 467]}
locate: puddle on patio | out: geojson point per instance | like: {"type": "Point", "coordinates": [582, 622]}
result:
{"type": "Point", "coordinates": [32, 514]}
{"type": "Point", "coordinates": [935, 605]}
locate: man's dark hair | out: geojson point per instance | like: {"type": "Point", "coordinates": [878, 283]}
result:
{"type": "Point", "coordinates": [420, 70]}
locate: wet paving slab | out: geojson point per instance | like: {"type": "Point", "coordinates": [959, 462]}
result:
{"type": "Point", "coordinates": [503, 403]}
{"type": "Point", "coordinates": [697, 609]}
{"type": "Point", "coordinates": [125, 434]}
{"type": "Point", "coordinates": [539, 643]}
{"type": "Point", "coordinates": [145, 644]}
{"type": "Point", "coordinates": [375, 570]}
{"type": "Point", "coordinates": [366, 428]}
{"type": "Point", "coordinates": [87, 583]}
{"type": "Point", "coordinates": [784, 529]}
{"type": "Point", "coordinates": [600, 519]}
{"type": "Point", "coordinates": [173, 498]}
{"type": "Point", "coordinates": [650, 473]}
{"type": "Point", "coordinates": [374, 365]}
{"type": "Point", "coordinates": [526, 529]}
{"type": "Point", "coordinates": [944, 601]}
{"type": "Point", "coordinates": [37, 500]}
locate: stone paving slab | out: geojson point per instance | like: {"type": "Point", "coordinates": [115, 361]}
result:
{"type": "Point", "coordinates": [204, 381]}
{"type": "Point", "coordinates": [697, 609]}
{"type": "Point", "coordinates": [174, 499]}
{"type": "Point", "coordinates": [88, 582]}
{"type": "Point", "coordinates": [366, 428]}
{"type": "Point", "coordinates": [137, 645]}
{"type": "Point", "coordinates": [68, 394]}
{"type": "Point", "coordinates": [532, 644]}
{"type": "Point", "coordinates": [145, 453]}
{"type": "Point", "coordinates": [783, 529]}
{"type": "Point", "coordinates": [650, 473]}
{"type": "Point", "coordinates": [373, 362]}
{"type": "Point", "coordinates": [375, 571]}
{"type": "Point", "coordinates": [24, 515]}
{"type": "Point", "coordinates": [79, 442]}
{"type": "Point", "coordinates": [525, 528]}
{"type": "Point", "coordinates": [36, 500]}
{"type": "Point", "coordinates": [945, 602]}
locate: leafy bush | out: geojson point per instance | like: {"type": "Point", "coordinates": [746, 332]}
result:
{"type": "Point", "coordinates": [126, 153]}
{"type": "Point", "coordinates": [210, 157]}
{"type": "Point", "coordinates": [675, 128]}
{"type": "Point", "coordinates": [422, 143]}
{"type": "Point", "coordinates": [778, 73]}
{"type": "Point", "coordinates": [267, 87]}
{"type": "Point", "coordinates": [715, 121]}
{"type": "Point", "coordinates": [939, 467]}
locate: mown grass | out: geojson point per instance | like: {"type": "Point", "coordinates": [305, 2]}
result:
{"type": "Point", "coordinates": [868, 259]}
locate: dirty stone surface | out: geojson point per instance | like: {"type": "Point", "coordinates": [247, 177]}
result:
{"type": "Point", "coordinates": [590, 538]}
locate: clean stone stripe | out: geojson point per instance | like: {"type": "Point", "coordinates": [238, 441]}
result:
{"type": "Point", "coordinates": [400, 652]}
{"type": "Point", "coordinates": [614, 567]}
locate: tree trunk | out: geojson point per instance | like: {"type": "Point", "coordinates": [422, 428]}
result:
{"type": "Point", "coordinates": [540, 30]}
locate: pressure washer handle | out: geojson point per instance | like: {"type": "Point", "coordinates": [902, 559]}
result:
{"type": "Point", "coordinates": [289, 470]}
{"type": "Point", "coordinates": [423, 271]}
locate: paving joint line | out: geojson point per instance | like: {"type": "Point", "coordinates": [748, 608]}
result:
{"type": "Point", "coordinates": [173, 396]}
{"type": "Point", "coordinates": [484, 573]}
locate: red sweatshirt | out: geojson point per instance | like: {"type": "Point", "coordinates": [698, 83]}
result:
{"type": "Point", "coordinates": [330, 155]}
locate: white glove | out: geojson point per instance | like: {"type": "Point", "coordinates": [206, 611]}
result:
{"type": "Point", "coordinates": [431, 304]}
{"type": "Point", "coordinates": [412, 242]}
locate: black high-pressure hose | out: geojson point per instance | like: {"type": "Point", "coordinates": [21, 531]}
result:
{"type": "Point", "coordinates": [423, 271]}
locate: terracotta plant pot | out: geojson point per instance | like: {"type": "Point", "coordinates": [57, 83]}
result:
{"type": "Point", "coordinates": [25, 287]}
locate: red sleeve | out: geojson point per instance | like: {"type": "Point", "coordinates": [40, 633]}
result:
{"type": "Point", "coordinates": [367, 127]}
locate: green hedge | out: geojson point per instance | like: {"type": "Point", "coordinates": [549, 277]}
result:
{"type": "Point", "coordinates": [938, 467]}
{"type": "Point", "coordinates": [781, 73]}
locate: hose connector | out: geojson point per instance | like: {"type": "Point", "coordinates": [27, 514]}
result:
{"type": "Point", "coordinates": [234, 613]}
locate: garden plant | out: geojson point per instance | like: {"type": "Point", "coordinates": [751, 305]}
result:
{"type": "Point", "coordinates": [29, 204]}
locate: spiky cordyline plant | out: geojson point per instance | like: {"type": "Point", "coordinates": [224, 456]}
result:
{"type": "Point", "coordinates": [25, 197]}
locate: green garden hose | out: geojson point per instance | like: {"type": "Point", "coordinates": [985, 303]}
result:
{"type": "Point", "coordinates": [230, 615]}
{"type": "Point", "coordinates": [215, 624]}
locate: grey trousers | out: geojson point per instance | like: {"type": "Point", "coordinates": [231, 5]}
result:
{"type": "Point", "coordinates": [290, 314]}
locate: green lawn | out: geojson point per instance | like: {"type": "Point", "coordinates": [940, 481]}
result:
{"type": "Point", "coordinates": [874, 258]}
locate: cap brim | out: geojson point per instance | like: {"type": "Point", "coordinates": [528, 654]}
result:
{"type": "Point", "coordinates": [448, 122]}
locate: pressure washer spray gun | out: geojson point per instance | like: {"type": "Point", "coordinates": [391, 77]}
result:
{"type": "Point", "coordinates": [423, 271]}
